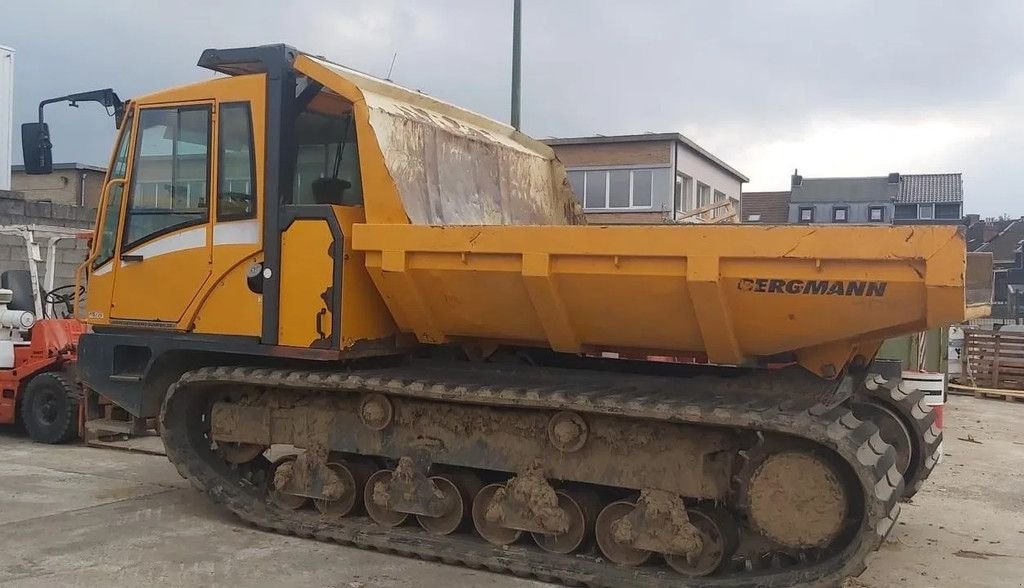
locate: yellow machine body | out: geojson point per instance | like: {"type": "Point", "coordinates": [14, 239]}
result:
{"type": "Point", "coordinates": [466, 232]}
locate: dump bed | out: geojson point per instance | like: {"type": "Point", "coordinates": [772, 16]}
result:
{"type": "Point", "coordinates": [821, 295]}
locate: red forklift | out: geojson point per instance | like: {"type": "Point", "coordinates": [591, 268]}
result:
{"type": "Point", "coordinates": [39, 335]}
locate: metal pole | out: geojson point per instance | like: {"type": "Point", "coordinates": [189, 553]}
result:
{"type": "Point", "coordinates": [517, 29]}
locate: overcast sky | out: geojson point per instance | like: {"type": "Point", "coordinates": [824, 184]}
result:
{"type": "Point", "coordinates": [836, 88]}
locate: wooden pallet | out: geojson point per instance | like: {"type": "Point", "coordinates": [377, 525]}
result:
{"type": "Point", "coordinates": [994, 360]}
{"type": "Point", "coordinates": [1008, 395]}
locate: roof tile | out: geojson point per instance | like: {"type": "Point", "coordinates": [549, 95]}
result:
{"type": "Point", "coordinates": [929, 188]}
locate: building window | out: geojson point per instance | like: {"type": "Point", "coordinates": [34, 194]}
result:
{"type": "Point", "coordinates": [947, 211]}
{"type": "Point", "coordinates": [754, 218]}
{"type": "Point", "coordinates": [684, 189]}
{"type": "Point", "coordinates": [876, 214]}
{"type": "Point", "coordinates": [926, 211]}
{"type": "Point", "coordinates": [905, 212]}
{"type": "Point", "coordinates": [703, 194]}
{"type": "Point", "coordinates": [617, 189]}
{"type": "Point", "coordinates": [840, 214]}
{"type": "Point", "coordinates": [806, 214]}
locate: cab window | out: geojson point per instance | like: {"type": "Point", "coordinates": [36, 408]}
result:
{"type": "Point", "coordinates": [236, 180]}
{"type": "Point", "coordinates": [170, 174]}
{"type": "Point", "coordinates": [326, 157]}
{"type": "Point", "coordinates": [112, 207]}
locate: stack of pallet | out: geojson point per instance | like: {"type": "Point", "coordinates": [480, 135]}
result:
{"type": "Point", "coordinates": [993, 362]}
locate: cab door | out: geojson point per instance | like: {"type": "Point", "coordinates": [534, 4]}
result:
{"type": "Point", "coordinates": [164, 251]}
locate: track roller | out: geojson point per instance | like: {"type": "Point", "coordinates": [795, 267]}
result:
{"type": "Point", "coordinates": [348, 481]}
{"type": "Point", "coordinates": [375, 497]}
{"type": "Point", "coordinates": [580, 508]}
{"type": "Point", "coordinates": [282, 472]}
{"type": "Point", "coordinates": [488, 514]}
{"type": "Point", "coordinates": [719, 537]}
{"type": "Point", "coordinates": [458, 490]}
{"type": "Point", "coordinates": [616, 551]}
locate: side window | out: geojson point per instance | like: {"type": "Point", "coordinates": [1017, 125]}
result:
{"type": "Point", "coordinates": [112, 207]}
{"type": "Point", "coordinates": [170, 187]}
{"type": "Point", "coordinates": [327, 158]}
{"type": "Point", "coordinates": [236, 180]}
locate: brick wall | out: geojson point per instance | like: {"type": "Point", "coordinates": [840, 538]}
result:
{"type": "Point", "coordinates": [598, 154]}
{"type": "Point", "coordinates": [15, 210]}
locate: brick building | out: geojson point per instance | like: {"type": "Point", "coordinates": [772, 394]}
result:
{"type": "Point", "coordinates": [74, 184]}
{"type": "Point", "coordinates": [650, 178]}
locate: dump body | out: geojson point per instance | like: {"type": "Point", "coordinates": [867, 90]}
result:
{"type": "Point", "coordinates": [738, 293]}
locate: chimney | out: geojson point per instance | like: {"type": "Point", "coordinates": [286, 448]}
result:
{"type": "Point", "coordinates": [894, 178]}
{"type": "Point", "coordinates": [973, 219]}
{"type": "Point", "coordinates": [797, 178]}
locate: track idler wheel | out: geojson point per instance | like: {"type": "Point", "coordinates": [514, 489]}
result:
{"type": "Point", "coordinates": [797, 499]}
{"type": "Point", "coordinates": [346, 481]}
{"type": "Point", "coordinates": [281, 474]}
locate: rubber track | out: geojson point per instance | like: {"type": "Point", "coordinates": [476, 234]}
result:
{"type": "Point", "coordinates": [710, 401]}
{"type": "Point", "coordinates": [919, 417]}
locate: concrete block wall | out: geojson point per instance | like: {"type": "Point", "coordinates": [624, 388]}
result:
{"type": "Point", "coordinates": [15, 210]}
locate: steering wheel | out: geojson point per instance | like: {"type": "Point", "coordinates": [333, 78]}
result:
{"type": "Point", "coordinates": [63, 296]}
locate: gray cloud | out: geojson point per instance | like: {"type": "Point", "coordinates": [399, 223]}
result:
{"type": "Point", "coordinates": [839, 87]}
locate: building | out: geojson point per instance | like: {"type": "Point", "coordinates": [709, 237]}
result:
{"type": "Point", "coordinates": [649, 178]}
{"type": "Point", "coordinates": [74, 184]}
{"type": "Point", "coordinates": [892, 199]}
{"type": "Point", "coordinates": [770, 208]}
{"type": "Point", "coordinates": [929, 199]}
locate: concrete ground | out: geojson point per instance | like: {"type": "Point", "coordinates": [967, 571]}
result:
{"type": "Point", "coordinates": [89, 517]}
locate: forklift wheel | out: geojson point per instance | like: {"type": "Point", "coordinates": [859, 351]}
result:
{"type": "Point", "coordinates": [49, 408]}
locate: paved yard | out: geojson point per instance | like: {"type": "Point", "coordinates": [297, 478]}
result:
{"type": "Point", "coordinates": [92, 517]}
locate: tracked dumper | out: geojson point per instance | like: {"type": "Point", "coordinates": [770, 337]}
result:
{"type": "Point", "coordinates": [367, 316]}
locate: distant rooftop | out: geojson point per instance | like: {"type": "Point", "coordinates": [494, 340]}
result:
{"type": "Point", "coordinates": [1003, 246]}
{"type": "Point", "coordinates": [67, 166]}
{"type": "Point", "coordinates": [928, 188]}
{"type": "Point", "coordinates": [765, 207]}
{"type": "Point", "coordinates": [649, 137]}
{"type": "Point", "coordinates": [895, 187]}
{"type": "Point", "coordinates": [867, 189]}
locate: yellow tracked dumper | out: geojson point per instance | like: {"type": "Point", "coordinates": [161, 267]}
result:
{"type": "Point", "coordinates": [295, 254]}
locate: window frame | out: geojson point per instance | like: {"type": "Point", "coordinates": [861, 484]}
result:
{"type": "Point", "coordinates": [846, 215]}
{"type": "Point", "coordinates": [681, 201]}
{"type": "Point", "coordinates": [606, 173]}
{"type": "Point", "coordinates": [254, 180]}
{"type": "Point", "coordinates": [696, 195]}
{"type": "Point", "coordinates": [137, 140]}
{"type": "Point", "coordinates": [921, 208]}
{"type": "Point", "coordinates": [905, 207]}
{"type": "Point", "coordinates": [881, 214]}
{"type": "Point", "coordinates": [959, 210]}
{"type": "Point", "coordinates": [128, 139]}
{"type": "Point", "coordinates": [800, 214]}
